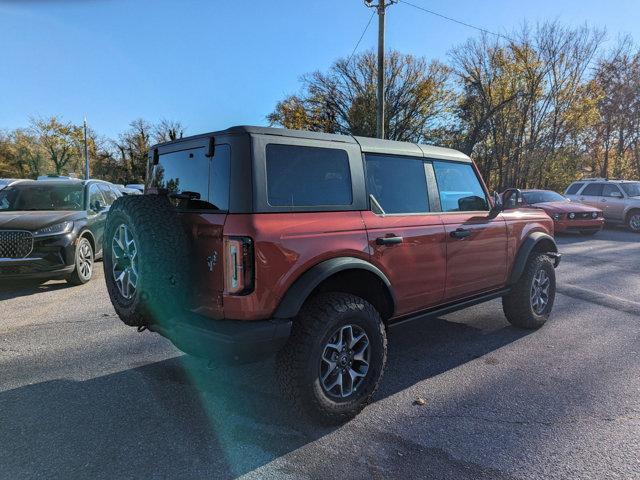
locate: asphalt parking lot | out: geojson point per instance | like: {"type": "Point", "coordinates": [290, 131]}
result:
{"type": "Point", "coordinates": [83, 396]}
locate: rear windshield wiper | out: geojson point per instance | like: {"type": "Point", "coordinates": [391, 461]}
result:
{"type": "Point", "coordinates": [186, 195]}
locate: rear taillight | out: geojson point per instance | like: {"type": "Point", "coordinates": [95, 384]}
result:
{"type": "Point", "coordinates": [238, 265]}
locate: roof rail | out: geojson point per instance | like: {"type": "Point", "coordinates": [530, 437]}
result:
{"type": "Point", "coordinates": [595, 179]}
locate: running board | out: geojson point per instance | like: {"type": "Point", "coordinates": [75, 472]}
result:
{"type": "Point", "coordinates": [451, 307]}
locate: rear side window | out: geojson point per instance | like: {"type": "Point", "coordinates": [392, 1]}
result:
{"type": "Point", "coordinates": [398, 184]}
{"type": "Point", "coordinates": [593, 189]}
{"type": "Point", "coordinates": [460, 189]}
{"type": "Point", "coordinates": [307, 176]}
{"type": "Point", "coordinates": [193, 180]}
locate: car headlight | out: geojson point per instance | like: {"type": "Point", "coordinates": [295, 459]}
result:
{"type": "Point", "coordinates": [594, 214]}
{"type": "Point", "coordinates": [557, 216]}
{"type": "Point", "coordinates": [572, 216]}
{"type": "Point", "coordinates": [57, 229]}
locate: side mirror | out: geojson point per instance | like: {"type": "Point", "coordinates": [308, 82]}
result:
{"type": "Point", "coordinates": [511, 198]}
{"type": "Point", "coordinates": [498, 205]}
{"type": "Point", "coordinates": [97, 206]}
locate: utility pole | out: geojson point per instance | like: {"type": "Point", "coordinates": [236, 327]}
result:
{"type": "Point", "coordinates": [381, 7]}
{"type": "Point", "coordinates": [86, 152]}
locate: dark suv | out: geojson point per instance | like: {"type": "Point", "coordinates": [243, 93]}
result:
{"type": "Point", "coordinates": [53, 228]}
{"type": "Point", "coordinates": [252, 241]}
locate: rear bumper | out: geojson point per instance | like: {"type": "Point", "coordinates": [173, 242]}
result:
{"type": "Point", "coordinates": [226, 340]}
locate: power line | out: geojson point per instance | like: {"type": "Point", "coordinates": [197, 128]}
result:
{"type": "Point", "coordinates": [484, 30]}
{"type": "Point", "coordinates": [361, 37]}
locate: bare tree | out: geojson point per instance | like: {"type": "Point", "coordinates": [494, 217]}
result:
{"type": "Point", "coordinates": [343, 100]}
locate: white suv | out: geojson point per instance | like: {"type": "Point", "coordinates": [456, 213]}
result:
{"type": "Point", "coordinates": [619, 200]}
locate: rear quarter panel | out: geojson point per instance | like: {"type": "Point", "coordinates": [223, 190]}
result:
{"type": "Point", "coordinates": [286, 246]}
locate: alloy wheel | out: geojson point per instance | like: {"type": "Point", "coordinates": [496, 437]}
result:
{"type": "Point", "coordinates": [345, 361]}
{"type": "Point", "coordinates": [540, 291]}
{"type": "Point", "coordinates": [634, 222]}
{"type": "Point", "coordinates": [124, 253]}
{"type": "Point", "coordinates": [85, 259]}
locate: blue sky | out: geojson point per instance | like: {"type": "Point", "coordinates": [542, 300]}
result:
{"type": "Point", "coordinates": [214, 63]}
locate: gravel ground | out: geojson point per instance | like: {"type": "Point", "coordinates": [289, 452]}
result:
{"type": "Point", "coordinates": [83, 396]}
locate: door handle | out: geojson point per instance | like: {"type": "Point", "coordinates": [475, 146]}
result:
{"type": "Point", "coordinates": [603, 200]}
{"type": "Point", "coordinates": [460, 233]}
{"type": "Point", "coordinates": [388, 240]}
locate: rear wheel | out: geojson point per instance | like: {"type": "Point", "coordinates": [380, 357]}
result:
{"type": "Point", "coordinates": [146, 258]}
{"type": "Point", "coordinates": [334, 360]}
{"type": "Point", "coordinates": [530, 302]}
{"type": "Point", "coordinates": [83, 270]}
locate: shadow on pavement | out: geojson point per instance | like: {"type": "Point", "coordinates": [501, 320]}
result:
{"type": "Point", "coordinates": [179, 419]}
{"type": "Point", "coordinates": [23, 288]}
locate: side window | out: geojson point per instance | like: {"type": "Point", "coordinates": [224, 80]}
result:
{"type": "Point", "coordinates": [610, 190]}
{"type": "Point", "coordinates": [573, 188]}
{"type": "Point", "coordinates": [593, 190]}
{"type": "Point", "coordinates": [460, 189]}
{"type": "Point", "coordinates": [307, 176]}
{"type": "Point", "coordinates": [398, 183]}
{"type": "Point", "coordinates": [115, 191]}
{"type": "Point", "coordinates": [95, 197]}
{"type": "Point", "coordinates": [108, 194]}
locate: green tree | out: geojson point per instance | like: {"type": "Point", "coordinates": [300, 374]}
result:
{"type": "Point", "coordinates": [61, 142]}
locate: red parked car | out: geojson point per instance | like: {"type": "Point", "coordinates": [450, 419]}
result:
{"type": "Point", "coordinates": [567, 216]}
{"type": "Point", "coordinates": [253, 241]}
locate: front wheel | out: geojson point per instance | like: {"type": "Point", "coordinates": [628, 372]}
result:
{"type": "Point", "coordinates": [530, 302]}
{"type": "Point", "coordinates": [84, 259]}
{"type": "Point", "coordinates": [633, 221]}
{"type": "Point", "coordinates": [334, 360]}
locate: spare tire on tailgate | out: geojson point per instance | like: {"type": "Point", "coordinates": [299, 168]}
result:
{"type": "Point", "coordinates": [146, 258]}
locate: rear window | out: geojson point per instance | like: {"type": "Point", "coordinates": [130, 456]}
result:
{"type": "Point", "coordinates": [573, 188]}
{"type": "Point", "coordinates": [307, 176]}
{"type": "Point", "coordinates": [193, 180]}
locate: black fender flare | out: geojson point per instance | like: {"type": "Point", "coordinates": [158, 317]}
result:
{"type": "Point", "coordinates": [300, 290]}
{"type": "Point", "coordinates": [526, 248]}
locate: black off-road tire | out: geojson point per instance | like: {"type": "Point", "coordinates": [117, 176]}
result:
{"type": "Point", "coordinates": [77, 277]}
{"type": "Point", "coordinates": [517, 305]}
{"type": "Point", "coordinates": [298, 363]}
{"type": "Point", "coordinates": [162, 259]}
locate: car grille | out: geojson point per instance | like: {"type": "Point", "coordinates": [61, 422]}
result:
{"type": "Point", "coordinates": [15, 243]}
{"type": "Point", "coordinates": [582, 216]}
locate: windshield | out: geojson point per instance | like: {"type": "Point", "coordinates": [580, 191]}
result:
{"type": "Point", "coordinates": [42, 197]}
{"type": "Point", "coordinates": [631, 189]}
{"type": "Point", "coordinates": [542, 196]}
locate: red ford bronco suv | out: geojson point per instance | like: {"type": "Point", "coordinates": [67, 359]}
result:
{"type": "Point", "coordinates": [253, 241]}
